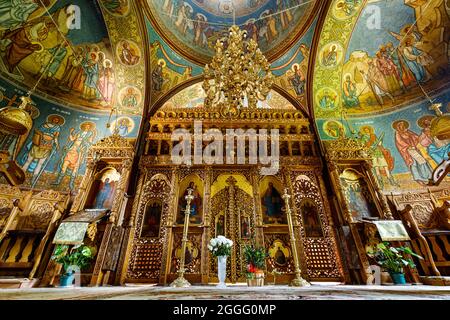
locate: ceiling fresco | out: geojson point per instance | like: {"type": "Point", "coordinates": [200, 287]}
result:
{"type": "Point", "coordinates": [193, 97]}
{"type": "Point", "coordinates": [194, 26]}
{"type": "Point", "coordinates": [78, 72]}
{"type": "Point", "coordinates": [371, 79]}
{"type": "Point", "coordinates": [170, 69]}
{"type": "Point", "coordinates": [107, 61]}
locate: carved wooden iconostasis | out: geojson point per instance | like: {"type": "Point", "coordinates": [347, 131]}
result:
{"type": "Point", "coordinates": [236, 201]}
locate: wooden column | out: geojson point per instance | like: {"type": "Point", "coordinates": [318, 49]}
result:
{"type": "Point", "coordinates": [206, 226]}
{"type": "Point", "coordinates": [231, 181]}
{"type": "Point", "coordinates": [171, 220]}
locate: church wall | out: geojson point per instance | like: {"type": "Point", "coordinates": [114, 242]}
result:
{"type": "Point", "coordinates": [73, 120]}
{"type": "Point", "coordinates": [354, 89]}
{"type": "Point", "coordinates": [380, 131]}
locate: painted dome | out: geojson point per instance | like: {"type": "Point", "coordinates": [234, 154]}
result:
{"type": "Point", "coordinates": [194, 26]}
{"type": "Point", "coordinates": [71, 66]}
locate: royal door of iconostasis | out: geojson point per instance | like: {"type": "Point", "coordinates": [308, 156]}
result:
{"type": "Point", "coordinates": [233, 216]}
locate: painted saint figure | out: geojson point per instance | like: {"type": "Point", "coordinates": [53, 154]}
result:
{"type": "Point", "coordinates": [14, 13]}
{"type": "Point", "coordinates": [130, 100]}
{"type": "Point", "coordinates": [272, 203]}
{"type": "Point", "coordinates": [407, 142]}
{"type": "Point", "coordinates": [350, 95]}
{"type": "Point", "coordinates": [157, 76]}
{"type": "Point", "coordinates": [196, 205]}
{"type": "Point", "coordinates": [417, 60]}
{"type": "Point", "coordinates": [437, 149]}
{"type": "Point", "coordinates": [329, 58]}
{"type": "Point", "coordinates": [43, 146]}
{"type": "Point", "coordinates": [298, 81]}
{"type": "Point", "coordinates": [382, 160]}
{"type": "Point", "coordinates": [152, 220]}
{"type": "Point", "coordinates": [23, 42]}
{"type": "Point", "coordinates": [103, 194]}
{"type": "Point", "coordinates": [327, 102]}
{"type": "Point", "coordinates": [75, 151]}
{"type": "Point", "coordinates": [128, 55]}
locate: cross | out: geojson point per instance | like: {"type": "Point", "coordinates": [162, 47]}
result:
{"type": "Point", "coordinates": [437, 108]}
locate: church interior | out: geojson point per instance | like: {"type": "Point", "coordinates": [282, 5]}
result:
{"type": "Point", "coordinates": [307, 140]}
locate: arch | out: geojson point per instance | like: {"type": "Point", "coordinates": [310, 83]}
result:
{"type": "Point", "coordinates": [156, 107]}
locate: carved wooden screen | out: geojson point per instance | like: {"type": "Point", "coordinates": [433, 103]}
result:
{"type": "Point", "coordinates": [423, 208]}
{"type": "Point", "coordinates": [146, 253]}
{"type": "Point", "coordinates": [320, 249]}
{"type": "Point", "coordinates": [7, 196]}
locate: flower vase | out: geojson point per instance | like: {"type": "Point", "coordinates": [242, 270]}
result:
{"type": "Point", "coordinates": [222, 271]}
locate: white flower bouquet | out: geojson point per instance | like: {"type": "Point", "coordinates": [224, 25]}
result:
{"type": "Point", "coordinates": [220, 246]}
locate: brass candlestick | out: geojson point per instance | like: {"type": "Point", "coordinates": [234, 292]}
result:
{"type": "Point", "coordinates": [181, 282]}
{"type": "Point", "coordinates": [298, 281]}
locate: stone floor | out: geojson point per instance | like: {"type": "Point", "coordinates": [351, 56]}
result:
{"type": "Point", "coordinates": [233, 292]}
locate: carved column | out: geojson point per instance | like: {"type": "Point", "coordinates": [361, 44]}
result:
{"type": "Point", "coordinates": [131, 230]}
{"type": "Point", "coordinates": [231, 181]}
{"type": "Point", "coordinates": [387, 214]}
{"type": "Point", "coordinates": [80, 200]}
{"type": "Point", "coordinates": [295, 223]}
{"type": "Point", "coordinates": [257, 212]}
{"type": "Point", "coordinates": [206, 226]}
{"type": "Point", "coordinates": [115, 216]}
{"type": "Point", "coordinates": [171, 220]}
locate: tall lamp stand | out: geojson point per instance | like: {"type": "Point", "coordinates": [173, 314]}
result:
{"type": "Point", "coordinates": [298, 281]}
{"type": "Point", "coordinates": [181, 282]}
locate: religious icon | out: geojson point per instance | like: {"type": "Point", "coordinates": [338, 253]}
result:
{"type": "Point", "coordinates": [331, 55]}
{"type": "Point", "coordinates": [196, 205]}
{"type": "Point", "coordinates": [190, 254]}
{"type": "Point", "coordinates": [152, 220]}
{"type": "Point", "coordinates": [334, 129]}
{"type": "Point", "coordinates": [272, 204]}
{"type": "Point", "coordinates": [245, 227]}
{"type": "Point", "coordinates": [311, 220]}
{"type": "Point", "coordinates": [327, 99]}
{"type": "Point", "coordinates": [279, 253]}
{"type": "Point", "coordinates": [407, 142]}
{"type": "Point", "coordinates": [358, 196]}
{"type": "Point", "coordinates": [220, 225]}
{"type": "Point", "coordinates": [102, 191]}
{"type": "Point", "coordinates": [128, 52]}
{"type": "Point", "coordinates": [42, 147]}
{"type": "Point", "coordinates": [130, 97]}
{"type": "Point", "coordinates": [123, 126]}
{"type": "Point", "coordinates": [103, 194]}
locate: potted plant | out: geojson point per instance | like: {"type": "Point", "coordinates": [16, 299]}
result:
{"type": "Point", "coordinates": [255, 259]}
{"type": "Point", "coordinates": [220, 247]}
{"type": "Point", "coordinates": [79, 256]}
{"type": "Point", "coordinates": [393, 260]}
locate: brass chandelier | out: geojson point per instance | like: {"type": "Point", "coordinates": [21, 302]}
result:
{"type": "Point", "coordinates": [239, 72]}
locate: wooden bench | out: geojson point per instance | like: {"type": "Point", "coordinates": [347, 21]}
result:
{"type": "Point", "coordinates": [27, 222]}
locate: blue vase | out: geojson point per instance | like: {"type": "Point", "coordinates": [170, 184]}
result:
{"type": "Point", "coordinates": [398, 278]}
{"type": "Point", "coordinates": [66, 280]}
